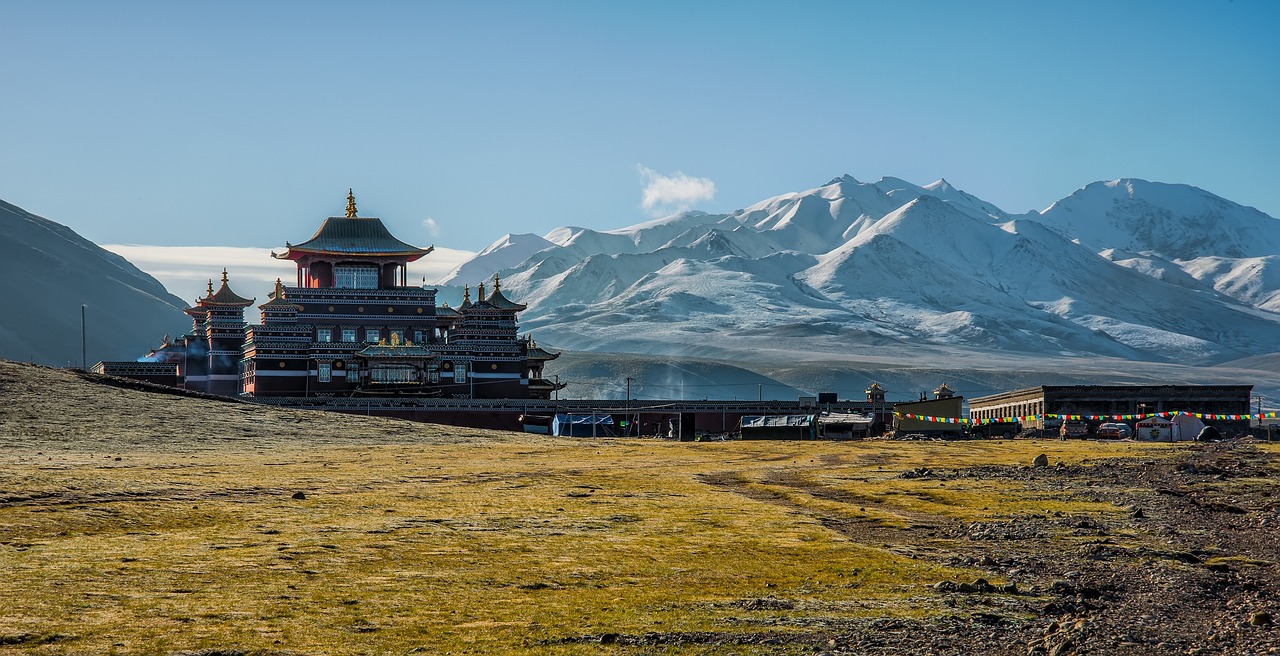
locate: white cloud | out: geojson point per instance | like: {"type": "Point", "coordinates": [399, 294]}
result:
{"type": "Point", "coordinates": [432, 227]}
{"type": "Point", "coordinates": [675, 192]}
{"type": "Point", "coordinates": [186, 270]}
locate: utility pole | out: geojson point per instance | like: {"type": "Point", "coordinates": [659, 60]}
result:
{"type": "Point", "coordinates": [84, 358]}
{"type": "Point", "coordinates": [627, 409]}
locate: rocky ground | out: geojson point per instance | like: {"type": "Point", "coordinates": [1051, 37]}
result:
{"type": "Point", "coordinates": [1189, 568]}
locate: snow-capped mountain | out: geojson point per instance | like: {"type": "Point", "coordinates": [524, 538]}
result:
{"type": "Point", "coordinates": [1126, 269]}
{"type": "Point", "coordinates": [1228, 247]}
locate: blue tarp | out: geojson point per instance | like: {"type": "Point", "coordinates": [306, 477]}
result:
{"type": "Point", "coordinates": [582, 425]}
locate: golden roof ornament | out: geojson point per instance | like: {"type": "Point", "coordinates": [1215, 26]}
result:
{"type": "Point", "coordinates": [279, 292]}
{"type": "Point", "coordinates": [496, 288]}
{"type": "Point", "coordinates": [209, 289]}
{"type": "Point", "coordinates": [466, 293]}
{"type": "Point", "coordinates": [224, 275]}
{"type": "Point", "coordinates": [480, 291]}
{"type": "Point", "coordinates": [351, 204]}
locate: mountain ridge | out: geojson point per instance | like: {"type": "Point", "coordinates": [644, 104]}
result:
{"type": "Point", "coordinates": [1099, 272]}
{"type": "Point", "coordinates": [50, 271]}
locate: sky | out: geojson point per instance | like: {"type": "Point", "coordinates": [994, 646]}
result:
{"type": "Point", "coordinates": [243, 124]}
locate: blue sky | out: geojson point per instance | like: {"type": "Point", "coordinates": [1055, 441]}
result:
{"type": "Point", "coordinates": [243, 124]}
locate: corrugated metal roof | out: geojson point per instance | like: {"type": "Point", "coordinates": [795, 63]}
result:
{"type": "Point", "coordinates": [777, 420]}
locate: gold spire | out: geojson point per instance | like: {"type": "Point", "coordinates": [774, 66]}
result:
{"type": "Point", "coordinates": [351, 204]}
{"type": "Point", "coordinates": [279, 293]}
{"type": "Point", "coordinates": [224, 275]}
{"type": "Point", "coordinates": [466, 292]}
{"type": "Point", "coordinates": [496, 288]}
{"type": "Point", "coordinates": [480, 291]}
{"type": "Point", "coordinates": [209, 289]}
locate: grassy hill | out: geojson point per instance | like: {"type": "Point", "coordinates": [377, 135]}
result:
{"type": "Point", "coordinates": [136, 522]}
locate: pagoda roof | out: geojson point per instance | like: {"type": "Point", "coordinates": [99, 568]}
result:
{"type": "Point", "coordinates": [535, 352]}
{"type": "Point", "coordinates": [501, 302]}
{"type": "Point", "coordinates": [353, 235]}
{"type": "Point", "coordinates": [496, 300]}
{"type": "Point", "coordinates": [277, 301]}
{"type": "Point", "coordinates": [224, 296]}
{"type": "Point", "coordinates": [446, 311]}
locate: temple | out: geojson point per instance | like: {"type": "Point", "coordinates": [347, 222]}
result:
{"type": "Point", "coordinates": [351, 325]}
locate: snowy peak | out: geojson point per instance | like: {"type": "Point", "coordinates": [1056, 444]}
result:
{"type": "Point", "coordinates": [1177, 221]}
{"type": "Point", "coordinates": [844, 179]}
{"type": "Point", "coordinates": [508, 251]}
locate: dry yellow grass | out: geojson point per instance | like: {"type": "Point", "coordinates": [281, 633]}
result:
{"type": "Point", "coordinates": [138, 523]}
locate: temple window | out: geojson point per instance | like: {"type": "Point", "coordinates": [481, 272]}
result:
{"type": "Point", "coordinates": [348, 334]}
{"type": "Point", "coordinates": [353, 372]}
{"type": "Point", "coordinates": [324, 372]}
{"type": "Point", "coordinates": [348, 276]}
{"type": "Point", "coordinates": [324, 335]}
{"type": "Point", "coordinates": [417, 336]}
{"type": "Point", "coordinates": [460, 372]}
{"type": "Point", "coordinates": [433, 374]}
{"type": "Point", "coordinates": [372, 335]}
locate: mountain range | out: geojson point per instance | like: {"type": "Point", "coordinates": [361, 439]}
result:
{"type": "Point", "coordinates": [1124, 269]}
{"type": "Point", "coordinates": [827, 288]}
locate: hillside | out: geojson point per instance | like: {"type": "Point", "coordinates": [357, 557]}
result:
{"type": "Point", "coordinates": [183, 525]}
{"type": "Point", "coordinates": [49, 272]}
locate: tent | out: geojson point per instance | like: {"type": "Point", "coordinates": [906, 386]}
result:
{"type": "Point", "coordinates": [593, 425]}
{"type": "Point", "coordinates": [1177, 428]}
{"type": "Point", "coordinates": [779, 427]}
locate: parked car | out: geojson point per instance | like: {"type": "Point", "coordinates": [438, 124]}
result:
{"type": "Point", "coordinates": [1116, 431]}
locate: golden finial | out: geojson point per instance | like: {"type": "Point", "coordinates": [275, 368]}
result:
{"type": "Point", "coordinates": [395, 339]}
{"type": "Point", "coordinates": [224, 275]}
{"type": "Point", "coordinates": [496, 288]}
{"type": "Point", "coordinates": [466, 292]}
{"type": "Point", "coordinates": [480, 291]}
{"type": "Point", "coordinates": [351, 204]}
{"type": "Point", "coordinates": [279, 293]}
{"type": "Point", "coordinates": [210, 287]}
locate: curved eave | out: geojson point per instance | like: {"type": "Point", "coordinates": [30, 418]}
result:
{"type": "Point", "coordinates": [277, 304]}
{"type": "Point", "coordinates": [353, 237]}
{"type": "Point", "coordinates": [541, 355]}
{"type": "Point", "coordinates": [297, 253]}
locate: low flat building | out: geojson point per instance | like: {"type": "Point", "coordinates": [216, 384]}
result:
{"type": "Point", "coordinates": [944, 412]}
{"type": "Point", "coordinates": [160, 373]}
{"type": "Point", "coordinates": [1098, 403]}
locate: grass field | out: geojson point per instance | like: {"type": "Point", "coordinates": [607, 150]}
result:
{"type": "Point", "coordinates": [137, 523]}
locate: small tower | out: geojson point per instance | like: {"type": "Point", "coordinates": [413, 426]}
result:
{"type": "Point", "coordinates": [213, 359]}
{"type": "Point", "coordinates": [875, 393]}
{"type": "Point", "coordinates": [943, 392]}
